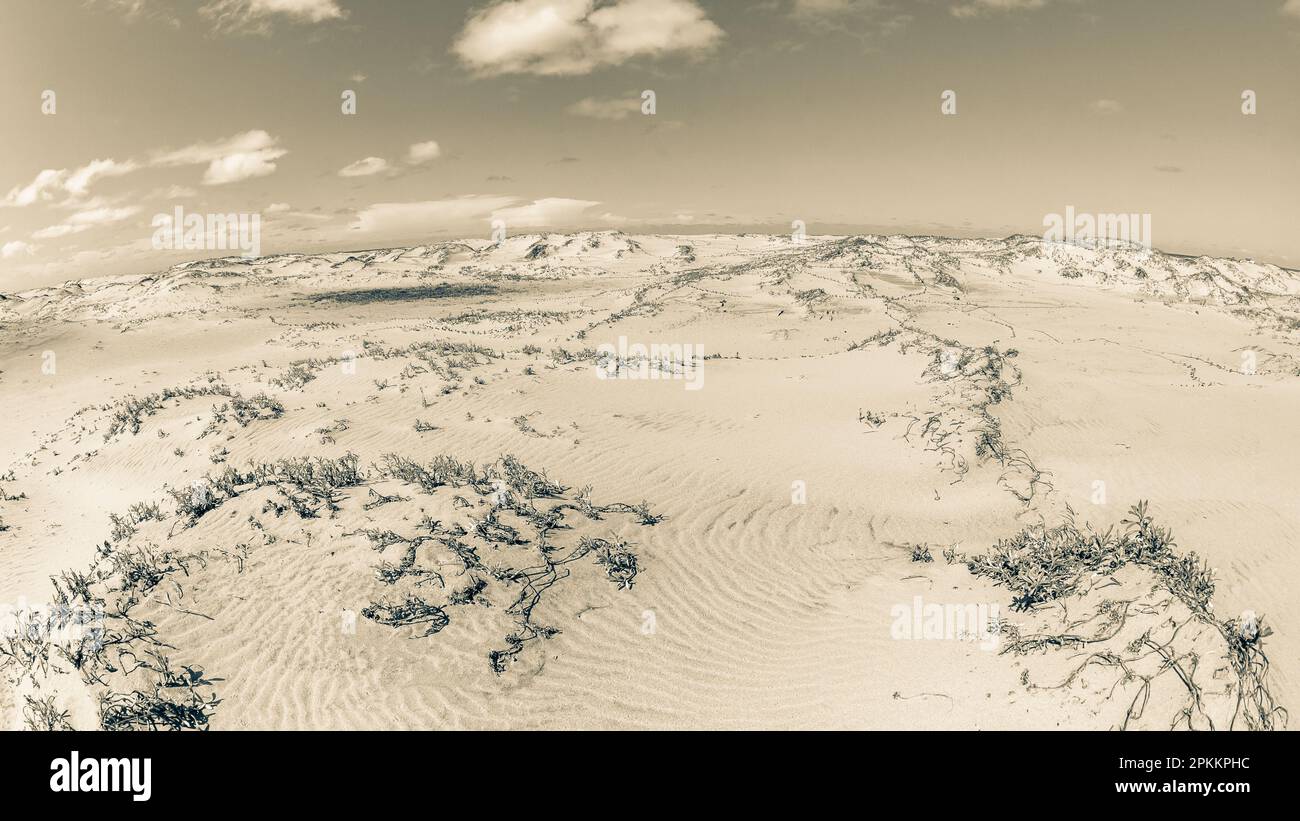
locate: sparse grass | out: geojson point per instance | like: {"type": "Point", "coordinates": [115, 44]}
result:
{"type": "Point", "coordinates": [161, 708]}
{"type": "Point", "coordinates": [128, 414]}
{"type": "Point", "coordinates": [523, 426]}
{"type": "Point", "coordinates": [511, 526]}
{"type": "Point", "coordinates": [90, 631]}
{"type": "Point", "coordinates": [1041, 565]}
{"type": "Point", "coordinates": [880, 338]}
{"type": "Point", "coordinates": [872, 418]}
{"type": "Point", "coordinates": [309, 485]}
{"type": "Point", "coordinates": [122, 529]}
{"type": "Point", "coordinates": [144, 512]}
{"type": "Point", "coordinates": [244, 411]}
{"type": "Point", "coordinates": [300, 373]}
{"type": "Point", "coordinates": [615, 556]}
{"type": "Point", "coordinates": [41, 714]}
{"type": "Point", "coordinates": [412, 612]}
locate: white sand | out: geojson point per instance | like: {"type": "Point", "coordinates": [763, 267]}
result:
{"type": "Point", "coordinates": [766, 612]}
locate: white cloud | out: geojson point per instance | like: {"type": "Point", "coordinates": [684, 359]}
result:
{"type": "Point", "coordinates": [1106, 106]}
{"type": "Point", "coordinates": [1291, 8]}
{"type": "Point", "coordinates": [78, 183]}
{"type": "Point", "coordinates": [974, 8]}
{"type": "Point", "coordinates": [557, 37]}
{"type": "Point", "coordinates": [615, 108]}
{"type": "Point", "coordinates": [429, 216]}
{"type": "Point", "coordinates": [860, 18]}
{"type": "Point", "coordinates": [103, 216]}
{"type": "Point", "coordinates": [551, 211]}
{"type": "Point", "coordinates": [243, 156]}
{"type": "Point", "coordinates": [238, 167]}
{"type": "Point", "coordinates": [468, 213]}
{"type": "Point", "coordinates": [822, 6]}
{"type": "Point", "coordinates": [255, 16]}
{"type": "Point", "coordinates": [423, 152]}
{"type": "Point", "coordinates": [16, 247]}
{"type": "Point", "coordinates": [60, 230]}
{"type": "Point", "coordinates": [364, 168]}
{"type": "Point", "coordinates": [149, 9]}
{"type": "Point", "coordinates": [172, 192]}
{"type": "Point", "coordinates": [277, 208]}
{"type": "Point", "coordinates": [39, 189]}
{"type": "Point", "coordinates": [85, 220]}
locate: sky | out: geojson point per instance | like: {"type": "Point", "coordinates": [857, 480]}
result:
{"type": "Point", "coordinates": [530, 115]}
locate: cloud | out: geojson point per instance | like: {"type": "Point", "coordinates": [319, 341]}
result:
{"type": "Point", "coordinates": [41, 188]}
{"type": "Point", "coordinates": [414, 218]}
{"type": "Point", "coordinates": [255, 16]}
{"type": "Point", "coordinates": [240, 16]}
{"type": "Point", "coordinates": [85, 220]}
{"type": "Point", "coordinates": [60, 230]}
{"type": "Point", "coordinates": [834, 8]}
{"type": "Point", "coordinates": [567, 37]}
{"type": "Point", "coordinates": [462, 213]}
{"type": "Point", "coordinates": [822, 6]}
{"type": "Point", "coordinates": [364, 168]}
{"type": "Point", "coordinates": [172, 192]}
{"type": "Point", "coordinates": [103, 216]}
{"type": "Point", "coordinates": [1106, 107]}
{"type": "Point", "coordinates": [78, 183]}
{"type": "Point", "coordinates": [16, 247]}
{"type": "Point", "coordinates": [276, 208]}
{"type": "Point", "coordinates": [1291, 8]}
{"type": "Point", "coordinates": [423, 152]}
{"type": "Point", "coordinates": [551, 211]}
{"type": "Point", "coordinates": [974, 8]}
{"type": "Point", "coordinates": [241, 157]}
{"type": "Point", "coordinates": [615, 108]}
{"type": "Point", "coordinates": [144, 9]}
{"type": "Point", "coordinates": [55, 180]}
{"type": "Point", "coordinates": [865, 20]}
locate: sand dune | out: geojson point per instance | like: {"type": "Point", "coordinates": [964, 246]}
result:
{"type": "Point", "coordinates": [843, 428]}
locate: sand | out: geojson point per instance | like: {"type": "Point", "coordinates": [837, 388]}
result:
{"type": "Point", "coordinates": [822, 444]}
